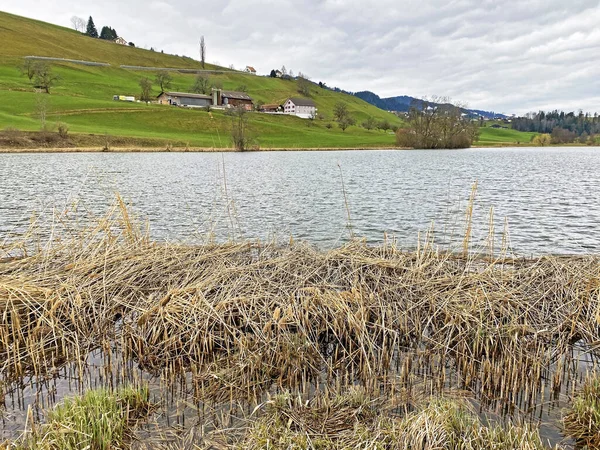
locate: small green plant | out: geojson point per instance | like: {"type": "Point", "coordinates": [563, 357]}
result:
{"type": "Point", "coordinates": [582, 422]}
{"type": "Point", "coordinates": [98, 420]}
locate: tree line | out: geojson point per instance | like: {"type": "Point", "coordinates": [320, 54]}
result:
{"type": "Point", "coordinates": [563, 128]}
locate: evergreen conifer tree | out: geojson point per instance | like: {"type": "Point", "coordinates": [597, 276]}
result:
{"type": "Point", "coordinates": [105, 33]}
{"type": "Point", "coordinates": [108, 34]}
{"type": "Point", "coordinates": [91, 28]}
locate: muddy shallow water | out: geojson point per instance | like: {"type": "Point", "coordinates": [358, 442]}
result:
{"type": "Point", "coordinates": [182, 415]}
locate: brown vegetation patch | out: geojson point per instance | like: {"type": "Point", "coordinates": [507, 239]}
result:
{"type": "Point", "coordinates": [242, 319]}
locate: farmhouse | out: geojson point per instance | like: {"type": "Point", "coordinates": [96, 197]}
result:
{"type": "Point", "coordinates": [184, 99]}
{"type": "Point", "coordinates": [120, 41]}
{"type": "Point", "coordinates": [232, 98]}
{"type": "Point", "coordinates": [250, 69]}
{"type": "Point", "coordinates": [301, 107]}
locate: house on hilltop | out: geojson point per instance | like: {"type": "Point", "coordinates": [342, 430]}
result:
{"type": "Point", "coordinates": [250, 69]}
{"type": "Point", "coordinates": [120, 41]}
{"type": "Point", "coordinates": [304, 108]}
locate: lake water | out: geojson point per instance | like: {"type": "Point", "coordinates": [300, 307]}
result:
{"type": "Point", "coordinates": [549, 197]}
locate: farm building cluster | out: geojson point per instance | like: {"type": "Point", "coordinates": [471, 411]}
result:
{"type": "Point", "coordinates": [219, 97]}
{"type": "Point", "coordinates": [304, 108]}
{"type": "Point", "coordinates": [301, 107]}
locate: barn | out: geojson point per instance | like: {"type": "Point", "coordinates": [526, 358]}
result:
{"type": "Point", "coordinates": [185, 99]}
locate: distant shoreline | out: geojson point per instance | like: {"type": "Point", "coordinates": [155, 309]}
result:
{"type": "Point", "coordinates": [162, 149]}
{"type": "Point", "coordinates": [179, 150]}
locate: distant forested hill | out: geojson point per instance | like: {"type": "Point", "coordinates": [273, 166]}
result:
{"type": "Point", "coordinates": [402, 104]}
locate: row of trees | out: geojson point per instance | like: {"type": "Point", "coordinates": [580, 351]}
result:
{"type": "Point", "coordinates": [164, 79]}
{"type": "Point", "coordinates": [383, 125]}
{"type": "Point", "coordinates": [563, 127]}
{"type": "Point", "coordinates": [437, 124]}
{"type": "Point", "coordinates": [563, 136]}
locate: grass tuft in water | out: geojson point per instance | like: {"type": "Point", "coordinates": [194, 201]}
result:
{"type": "Point", "coordinates": [353, 421]}
{"type": "Point", "coordinates": [582, 422]}
{"type": "Point", "coordinates": [97, 420]}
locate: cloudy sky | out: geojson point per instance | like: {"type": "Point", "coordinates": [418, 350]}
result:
{"type": "Point", "coordinates": [510, 56]}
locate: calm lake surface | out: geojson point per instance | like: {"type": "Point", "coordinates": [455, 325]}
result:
{"type": "Point", "coordinates": [549, 197]}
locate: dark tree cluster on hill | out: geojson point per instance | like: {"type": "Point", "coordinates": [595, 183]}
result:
{"type": "Point", "coordinates": [436, 124]}
{"type": "Point", "coordinates": [108, 34]}
{"type": "Point", "coordinates": [563, 127]}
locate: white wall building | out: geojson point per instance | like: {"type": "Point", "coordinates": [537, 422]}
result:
{"type": "Point", "coordinates": [301, 107]}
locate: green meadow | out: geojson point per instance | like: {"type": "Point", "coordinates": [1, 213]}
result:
{"type": "Point", "coordinates": [502, 136]}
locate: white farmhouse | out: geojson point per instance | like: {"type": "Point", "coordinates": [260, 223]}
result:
{"type": "Point", "coordinates": [301, 107]}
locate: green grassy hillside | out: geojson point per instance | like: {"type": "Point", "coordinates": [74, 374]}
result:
{"type": "Point", "coordinates": [26, 37]}
{"type": "Point", "coordinates": [83, 96]}
{"type": "Point", "coordinates": [503, 136]}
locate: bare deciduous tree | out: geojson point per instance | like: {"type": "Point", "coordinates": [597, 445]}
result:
{"type": "Point", "coordinates": [342, 116]}
{"type": "Point", "coordinates": [43, 77]}
{"type": "Point", "coordinates": [303, 85]}
{"type": "Point", "coordinates": [27, 68]}
{"type": "Point", "coordinates": [163, 79]}
{"type": "Point", "coordinates": [437, 124]}
{"type": "Point", "coordinates": [202, 51]}
{"type": "Point", "coordinates": [146, 86]}
{"type": "Point", "coordinates": [369, 124]}
{"type": "Point", "coordinates": [41, 107]}
{"type": "Point", "coordinates": [78, 24]}
{"type": "Point", "coordinates": [239, 128]}
{"type": "Point", "coordinates": [542, 140]}
{"type": "Point", "coordinates": [201, 85]}
{"type": "Point", "coordinates": [384, 125]}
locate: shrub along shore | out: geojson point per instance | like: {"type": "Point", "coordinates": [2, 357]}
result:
{"type": "Point", "coordinates": [355, 347]}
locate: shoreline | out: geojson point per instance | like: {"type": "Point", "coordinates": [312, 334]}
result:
{"type": "Point", "coordinates": [162, 149]}
{"type": "Point", "coordinates": [180, 150]}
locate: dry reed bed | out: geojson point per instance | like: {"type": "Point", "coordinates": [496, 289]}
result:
{"type": "Point", "coordinates": [354, 420]}
{"type": "Point", "coordinates": [244, 317]}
